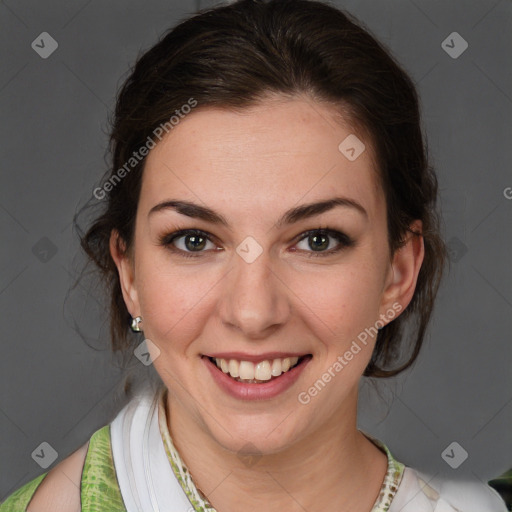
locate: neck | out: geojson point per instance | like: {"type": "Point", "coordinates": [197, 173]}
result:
{"type": "Point", "coordinates": [335, 468]}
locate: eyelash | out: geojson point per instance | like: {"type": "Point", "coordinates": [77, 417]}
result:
{"type": "Point", "coordinates": [344, 241]}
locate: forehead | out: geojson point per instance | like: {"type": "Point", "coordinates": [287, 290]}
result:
{"type": "Point", "coordinates": [268, 157]}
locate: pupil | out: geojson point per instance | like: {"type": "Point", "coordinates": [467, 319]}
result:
{"type": "Point", "coordinates": [323, 244]}
{"type": "Point", "coordinates": [196, 242]}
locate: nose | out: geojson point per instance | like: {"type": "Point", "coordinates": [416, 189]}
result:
{"type": "Point", "coordinates": [255, 299]}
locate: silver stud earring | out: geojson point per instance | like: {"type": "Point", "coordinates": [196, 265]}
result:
{"type": "Point", "coordinates": [135, 326]}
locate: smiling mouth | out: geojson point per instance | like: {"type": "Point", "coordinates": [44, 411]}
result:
{"type": "Point", "coordinates": [264, 371]}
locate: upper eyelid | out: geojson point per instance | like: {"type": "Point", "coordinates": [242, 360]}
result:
{"type": "Point", "coordinates": [328, 231]}
{"type": "Point", "coordinates": [170, 238]}
{"type": "Point", "coordinates": [180, 233]}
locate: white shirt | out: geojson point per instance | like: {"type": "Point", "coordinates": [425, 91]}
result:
{"type": "Point", "coordinates": [149, 470]}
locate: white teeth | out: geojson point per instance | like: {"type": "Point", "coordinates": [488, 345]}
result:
{"type": "Point", "coordinates": [262, 371]}
{"type": "Point", "coordinates": [246, 370]}
{"type": "Point", "coordinates": [233, 368]}
{"type": "Point", "coordinates": [276, 367]}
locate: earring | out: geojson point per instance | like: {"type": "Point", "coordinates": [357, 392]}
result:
{"type": "Point", "coordinates": [135, 326]}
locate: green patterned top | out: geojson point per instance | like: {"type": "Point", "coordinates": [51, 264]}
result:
{"type": "Point", "coordinates": [99, 489]}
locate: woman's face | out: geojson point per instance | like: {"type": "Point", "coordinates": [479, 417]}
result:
{"type": "Point", "coordinates": [249, 284]}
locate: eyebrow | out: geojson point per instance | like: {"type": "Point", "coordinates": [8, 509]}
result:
{"type": "Point", "coordinates": [296, 214]}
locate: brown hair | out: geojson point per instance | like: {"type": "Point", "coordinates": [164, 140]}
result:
{"type": "Point", "coordinates": [232, 57]}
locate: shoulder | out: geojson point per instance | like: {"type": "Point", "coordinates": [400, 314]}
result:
{"type": "Point", "coordinates": [85, 480]}
{"type": "Point", "coordinates": [18, 500]}
{"type": "Point", "coordinates": [419, 491]}
{"type": "Point", "coordinates": [56, 490]}
{"type": "Point", "coordinates": [60, 489]}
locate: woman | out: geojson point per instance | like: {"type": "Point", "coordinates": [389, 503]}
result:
{"type": "Point", "coordinates": [270, 228]}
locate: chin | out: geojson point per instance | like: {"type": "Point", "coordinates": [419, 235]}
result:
{"type": "Point", "coordinates": [249, 435]}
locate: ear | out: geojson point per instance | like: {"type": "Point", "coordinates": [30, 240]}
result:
{"type": "Point", "coordinates": [403, 274]}
{"type": "Point", "coordinates": [126, 272]}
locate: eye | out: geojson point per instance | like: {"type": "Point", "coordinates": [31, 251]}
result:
{"type": "Point", "coordinates": [187, 241]}
{"type": "Point", "coordinates": [319, 240]}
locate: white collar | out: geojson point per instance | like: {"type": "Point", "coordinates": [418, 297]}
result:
{"type": "Point", "coordinates": [147, 481]}
{"type": "Point", "coordinates": [145, 477]}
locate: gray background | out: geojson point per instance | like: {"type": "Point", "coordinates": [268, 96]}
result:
{"type": "Point", "coordinates": [58, 387]}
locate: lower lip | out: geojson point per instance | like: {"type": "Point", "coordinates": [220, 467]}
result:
{"type": "Point", "coordinates": [245, 391]}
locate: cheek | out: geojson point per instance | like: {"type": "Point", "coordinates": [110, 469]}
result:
{"type": "Point", "coordinates": [336, 303]}
{"type": "Point", "coordinates": [345, 301]}
{"type": "Point", "coordinates": [174, 301]}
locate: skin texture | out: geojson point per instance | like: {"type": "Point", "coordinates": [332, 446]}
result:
{"type": "Point", "coordinates": [251, 167]}
{"type": "Point", "coordinates": [60, 489]}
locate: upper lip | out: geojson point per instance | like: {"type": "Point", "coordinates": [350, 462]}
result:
{"type": "Point", "coordinates": [254, 358]}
